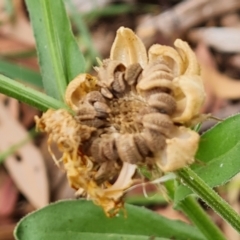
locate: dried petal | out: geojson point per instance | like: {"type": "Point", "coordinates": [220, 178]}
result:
{"type": "Point", "coordinates": [180, 150]}
{"type": "Point", "coordinates": [128, 48]}
{"type": "Point", "coordinates": [189, 58]}
{"type": "Point", "coordinates": [190, 95]}
{"type": "Point", "coordinates": [78, 88]}
{"type": "Point", "coordinates": [124, 180]}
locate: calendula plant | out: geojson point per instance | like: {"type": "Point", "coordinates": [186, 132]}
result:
{"type": "Point", "coordinates": [135, 115]}
{"type": "Point", "coordinates": [132, 114]}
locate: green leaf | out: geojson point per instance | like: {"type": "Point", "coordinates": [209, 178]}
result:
{"type": "Point", "coordinates": [19, 54]}
{"type": "Point", "coordinates": [59, 56]}
{"type": "Point", "coordinates": [219, 150]}
{"type": "Point", "coordinates": [92, 236]}
{"type": "Point", "coordinates": [28, 95]}
{"type": "Point", "coordinates": [21, 73]}
{"type": "Point", "coordinates": [109, 11]}
{"type": "Point", "coordinates": [83, 220]}
{"type": "Point", "coordinates": [82, 30]}
{"type": "Point", "coordinates": [139, 199]}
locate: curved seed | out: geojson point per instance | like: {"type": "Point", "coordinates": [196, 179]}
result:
{"type": "Point", "coordinates": [96, 122]}
{"type": "Point", "coordinates": [154, 83]}
{"type": "Point", "coordinates": [158, 65]}
{"type": "Point", "coordinates": [107, 71]}
{"type": "Point", "coordinates": [141, 145]}
{"type": "Point", "coordinates": [147, 94]}
{"type": "Point", "coordinates": [106, 171]}
{"type": "Point", "coordinates": [132, 73]}
{"type": "Point", "coordinates": [109, 150]}
{"type": "Point", "coordinates": [164, 102]}
{"type": "Point", "coordinates": [154, 141]}
{"type": "Point", "coordinates": [95, 151]}
{"type": "Point", "coordinates": [106, 93]}
{"type": "Point", "coordinates": [102, 109]}
{"type": "Point", "coordinates": [85, 112]}
{"type": "Point", "coordinates": [127, 149]}
{"type": "Point", "coordinates": [157, 75]}
{"type": "Point", "coordinates": [118, 84]}
{"type": "Point", "coordinates": [144, 111]}
{"type": "Point", "coordinates": [157, 122]}
{"type": "Point", "coordinates": [95, 96]}
{"type": "Point", "coordinates": [170, 56]}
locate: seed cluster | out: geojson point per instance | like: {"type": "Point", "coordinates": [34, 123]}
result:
{"type": "Point", "coordinates": [133, 113]}
{"type": "Point", "coordinates": [130, 127]}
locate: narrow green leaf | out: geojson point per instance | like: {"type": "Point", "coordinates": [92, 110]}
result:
{"type": "Point", "coordinates": [59, 56]}
{"type": "Point", "coordinates": [82, 30]}
{"type": "Point", "coordinates": [20, 54]}
{"type": "Point", "coordinates": [219, 150]}
{"type": "Point", "coordinates": [85, 219]}
{"type": "Point", "coordinates": [28, 95]}
{"type": "Point", "coordinates": [21, 73]}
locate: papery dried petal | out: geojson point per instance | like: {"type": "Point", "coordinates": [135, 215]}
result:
{"type": "Point", "coordinates": [128, 48]}
{"type": "Point", "coordinates": [78, 88]}
{"type": "Point", "coordinates": [64, 130]}
{"type": "Point", "coordinates": [190, 95]}
{"type": "Point", "coordinates": [180, 150]}
{"type": "Point", "coordinates": [124, 179]}
{"type": "Point", "coordinates": [188, 57]}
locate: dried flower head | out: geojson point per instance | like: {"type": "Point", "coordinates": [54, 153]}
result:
{"type": "Point", "coordinates": [135, 112]}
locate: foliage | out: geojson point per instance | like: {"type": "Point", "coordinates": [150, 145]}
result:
{"type": "Point", "coordinates": [83, 219]}
{"type": "Point", "coordinates": [60, 61]}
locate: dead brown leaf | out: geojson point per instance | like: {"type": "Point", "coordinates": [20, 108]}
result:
{"type": "Point", "coordinates": [185, 15]}
{"type": "Point", "coordinates": [217, 83]}
{"type": "Point", "coordinates": [8, 194]}
{"type": "Point", "coordinates": [20, 28]}
{"type": "Point", "coordinates": [26, 165]}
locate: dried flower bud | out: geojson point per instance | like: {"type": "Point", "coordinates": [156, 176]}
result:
{"type": "Point", "coordinates": [134, 113]}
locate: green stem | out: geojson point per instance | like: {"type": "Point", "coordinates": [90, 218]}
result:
{"type": "Point", "coordinates": [200, 218]}
{"type": "Point", "coordinates": [191, 208]}
{"type": "Point", "coordinates": [28, 95]}
{"type": "Point", "coordinates": [198, 186]}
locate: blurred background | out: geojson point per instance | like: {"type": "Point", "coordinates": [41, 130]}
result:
{"type": "Point", "coordinates": [28, 177]}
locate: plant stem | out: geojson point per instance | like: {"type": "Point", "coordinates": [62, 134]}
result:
{"type": "Point", "coordinates": [28, 95]}
{"type": "Point", "coordinates": [208, 195]}
{"type": "Point", "coordinates": [200, 218]}
{"type": "Point", "coordinates": [191, 208]}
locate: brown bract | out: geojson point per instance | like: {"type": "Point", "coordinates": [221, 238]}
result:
{"type": "Point", "coordinates": [134, 113]}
